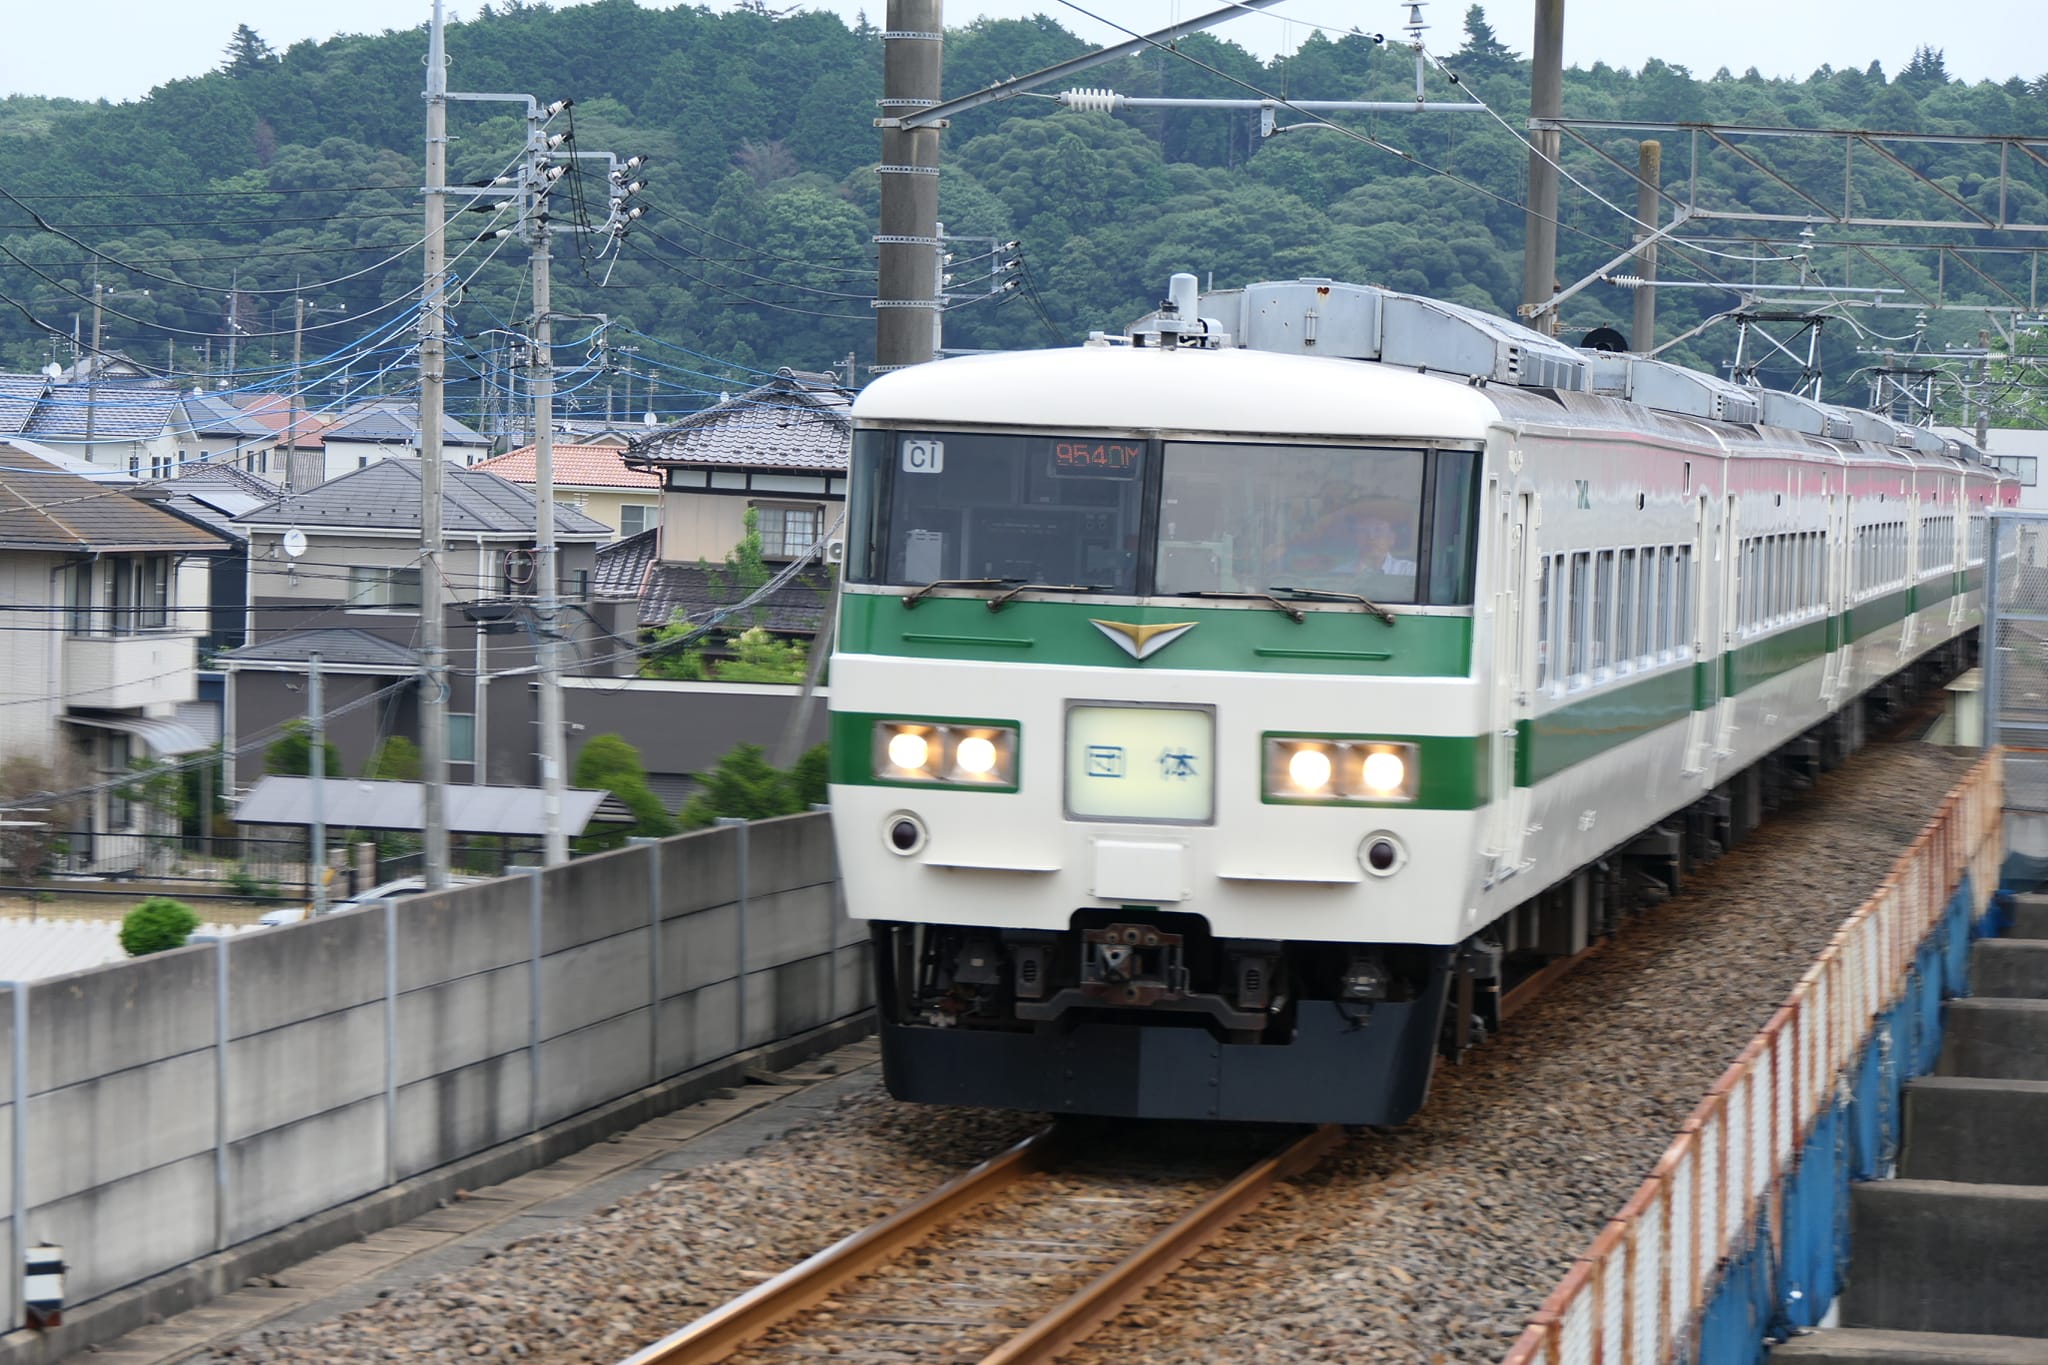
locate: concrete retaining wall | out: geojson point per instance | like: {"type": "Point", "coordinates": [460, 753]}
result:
{"type": "Point", "coordinates": [184, 1104]}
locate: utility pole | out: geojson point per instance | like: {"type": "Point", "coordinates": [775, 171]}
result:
{"type": "Point", "coordinates": [546, 629]}
{"type": "Point", "coordinates": [1546, 103]}
{"type": "Point", "coordinates": [908, 244]}
{"type": "Point", "coordinates": [433, 377]}
{"type": "Point", "coordinates": [316, 762]}
{"type": "Point", "coordinates": [234, 321]}
{"type": "Point", "coordinates": [1649, 175]}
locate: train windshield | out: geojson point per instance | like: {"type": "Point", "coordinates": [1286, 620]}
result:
{"type": "Point", "coordinates": [939, 506]}
{"type": "Point", "coordinates": [1389, 524]}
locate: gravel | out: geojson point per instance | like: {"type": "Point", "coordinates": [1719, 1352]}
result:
{"type": "Point", "coordinates": [1433, 1242]}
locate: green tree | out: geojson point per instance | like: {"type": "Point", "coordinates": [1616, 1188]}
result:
{"type": "Point", "coordinates": [759, 657]}
{"type": "Point", "coordinates": [397, 759]}
{"type": "Point", "coordinates": [156, 924]}
{"type": "Point", "coordinates": [746, 786]}
{"type": "Point", "coordinates": [291, 754]}
{"type": "Point", "coordinates": [247, 52]}
{"type": "Point", "coordinates": [1483, 54]}
{"type": "Point", "coordinates": [609, 763]}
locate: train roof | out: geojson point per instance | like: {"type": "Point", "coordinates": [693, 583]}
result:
{"type": "Point", "coordinates": [1234, 391]}
{"type": "Point", "coordinates": [1315, 357]}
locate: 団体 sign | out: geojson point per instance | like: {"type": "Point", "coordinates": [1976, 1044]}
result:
{"type": "Point", "coordinates": [1141, 763]}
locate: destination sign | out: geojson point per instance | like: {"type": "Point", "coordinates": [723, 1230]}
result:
{"type": "Point", "coordinates": [1100, 459]}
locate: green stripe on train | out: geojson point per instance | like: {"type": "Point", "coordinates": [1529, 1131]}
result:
{"type": "Point", "coordinates": [1546, 745]}
{"type": "Point", "coordinates": [1253, 640]}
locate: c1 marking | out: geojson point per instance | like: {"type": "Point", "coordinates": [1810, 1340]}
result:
{"type": "Point", "coordinates": [923, 457]}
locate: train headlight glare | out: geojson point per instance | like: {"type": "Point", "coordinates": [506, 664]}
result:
{"type": "Point", "coordinates": [941, 752]}
{"type": "Point", "coordinates": [1384, 773]}
{"type": "Point", "coordinates": [1310, 770]}
{"type": "Point", "coordinates": [911, 751]}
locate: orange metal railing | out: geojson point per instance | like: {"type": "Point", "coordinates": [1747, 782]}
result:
{"type": "Point", "coordinates": [1637, 1295]}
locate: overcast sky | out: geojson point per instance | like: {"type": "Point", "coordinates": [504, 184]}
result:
{"type": "Point", "coordinates": [119, 49]}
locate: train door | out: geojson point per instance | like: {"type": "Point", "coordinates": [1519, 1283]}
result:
{"type": "Point", "coordinates": [1836, 670]}
{"type": "Point", "coordinates": [1514, 665]}
{"type": "Point", "coordinates": [1713, 562]}
{"type": "Point", "coordinates": [1914, 536]}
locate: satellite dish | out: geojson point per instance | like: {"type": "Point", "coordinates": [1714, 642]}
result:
{"type": "Point", "coordinates": [649, 420]}
{"type": "Point", "coordinates": [53, 371]}
{"type": "Point", "coordinates": [295, 542]}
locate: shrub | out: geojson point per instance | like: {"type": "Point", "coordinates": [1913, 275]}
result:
{"type": "Point", "coordinates": [156, 924]}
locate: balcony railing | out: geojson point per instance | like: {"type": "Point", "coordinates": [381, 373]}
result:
{"type": "Point", "coordinates": [130, 670]}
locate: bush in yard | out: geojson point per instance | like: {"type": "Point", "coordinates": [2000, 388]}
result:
{"type": "Point", "coordinates": [156, 924]}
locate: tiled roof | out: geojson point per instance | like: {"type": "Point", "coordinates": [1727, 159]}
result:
{"type": "Point", "coordinates": [393, 423]}
{"type": "Point", "coordinates": [385, 496]}
{"type": "Point", "coordinates": [622, 565]}
{"type": "Point", "coordinates": [576, 466]}
{"type": "Point", "coordinates": [43, 508]}
{"type": "Point", "coordinates": [222, 476]}
{"type": "Point", "coordinates": [698, 591]}
{"type": "Point", "coordinates": [794, 421]}
{"type": "Point", "coordinates": [117, 412]}
{"type": "Point", "coordinates": [18, 396]}
{"type": "Point", "coordinates": [343, 645]}
{"type": "Point", "coordinates": [207, 415]}
{"type": "Point", "coordinates": [275, 415]}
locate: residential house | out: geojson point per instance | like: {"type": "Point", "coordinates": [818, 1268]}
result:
{"type": "Point", "coordinates": [778, 451]}
{"type": "Point", "coordinates": [593, 479]}
{"type": "Point", "coordinates": [352, 595]}
{"type": "Point", "coordinates": [211, 430]}
{"type": "Point", "coordinates": [126, 425]}
{"type": "Point", "coordinates": [213, 495]}
{"type": "Point", "coordinates": [387, 428]}
{"type": "Point", "coordinates": [300, 460]}
{"type": "Point", "coordinates": [100, 667]}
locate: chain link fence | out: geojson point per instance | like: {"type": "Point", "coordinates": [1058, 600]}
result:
{"type": "Point", "coordinates": [2016, 655]}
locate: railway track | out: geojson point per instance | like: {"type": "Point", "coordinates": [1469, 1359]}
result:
{"type": "Point", "coordinates": [1011, 1262]}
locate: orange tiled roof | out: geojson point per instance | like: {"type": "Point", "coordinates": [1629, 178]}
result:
{"type": "Point", "coordinates": [575, 467]}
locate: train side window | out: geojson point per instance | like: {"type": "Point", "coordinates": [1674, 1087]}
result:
{"type": "Point", "coordinates": [1575, 613]}
{"type": "Point", "coordinates": [1602, 632]}
{"type": "Point", "coordinates": [1682, 636]}
{"type": "Point", "coordinates": [1545, 594]}
{"type": "Point", "coordinates": [1646, 618]}
{"type": "Point", "coordinates": [1625, 607]}
{"type": "Point", "coordinates": [1667, 591]}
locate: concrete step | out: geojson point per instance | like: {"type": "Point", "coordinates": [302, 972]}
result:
{"type": "Point", "coordinates": [1941, 1256]}
{"type": "Point", "coordinates": [2009, 968]}
{"type": "Point", "coordinates": [1996, 1039]}
{"type": "Point", "coordinates": [2029, 916]}
{"type": "Point", "coordinates": [1865, 1346]}
{"type": "Point", "coordinates": [1965, 1128]}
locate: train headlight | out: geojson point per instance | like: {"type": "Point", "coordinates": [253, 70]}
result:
{"type": "Point", "coordinates": [1308, 768]}
{"type": "Point", "coordinates": [1384, 773]}
{"type": "Point", "coordinates": [909, 751]}
{"type": "Point", "coordinates": [963, 755]}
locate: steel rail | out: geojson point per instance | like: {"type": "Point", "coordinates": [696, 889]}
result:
{"type": "Point", "coordinates": [725, 1329]}
{"type": "Point", "coordinates": [1117, 1287]}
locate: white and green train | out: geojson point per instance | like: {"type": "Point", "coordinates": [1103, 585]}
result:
{"type": "Point", "coordinates": [1223, 714]}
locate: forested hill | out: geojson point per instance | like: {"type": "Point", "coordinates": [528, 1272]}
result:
{"type": "Point", "coordinates": [297, 173]}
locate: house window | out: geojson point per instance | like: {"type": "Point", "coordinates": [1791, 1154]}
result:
{"type": "Point", "coordinates": [118, 763]}
{"type": "Point", "coordinates": [2025, 468]}
{"type": "Point", "coordinates": [635, 517]}
{"type": "Point", "coordinates": [78, 613]}
{"type": "Point", "coordinates": [138, 593]}
{"type": "Point", "coordinates": [461, 737]}
{"type": "Point", "coordinates": [788, 531]}
{"type": "Point", "coordinates": [376, 588]}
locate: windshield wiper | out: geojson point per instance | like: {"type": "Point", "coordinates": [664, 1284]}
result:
{"type": "Point", "coordinates": [1319, 595]}
{"type": "Point", "coordinates": [919, 595]}
{"type": "Point", "coordinates": [1002, 599]}
{"type": "Point", "coordinates": [1295, 613]}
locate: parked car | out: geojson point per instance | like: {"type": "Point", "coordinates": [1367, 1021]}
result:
{"type": "Point", "coordinates": [398, 889]}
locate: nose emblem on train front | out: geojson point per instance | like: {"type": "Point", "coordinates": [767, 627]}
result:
{"type": "Point", "coordinates": [1142, 642]}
